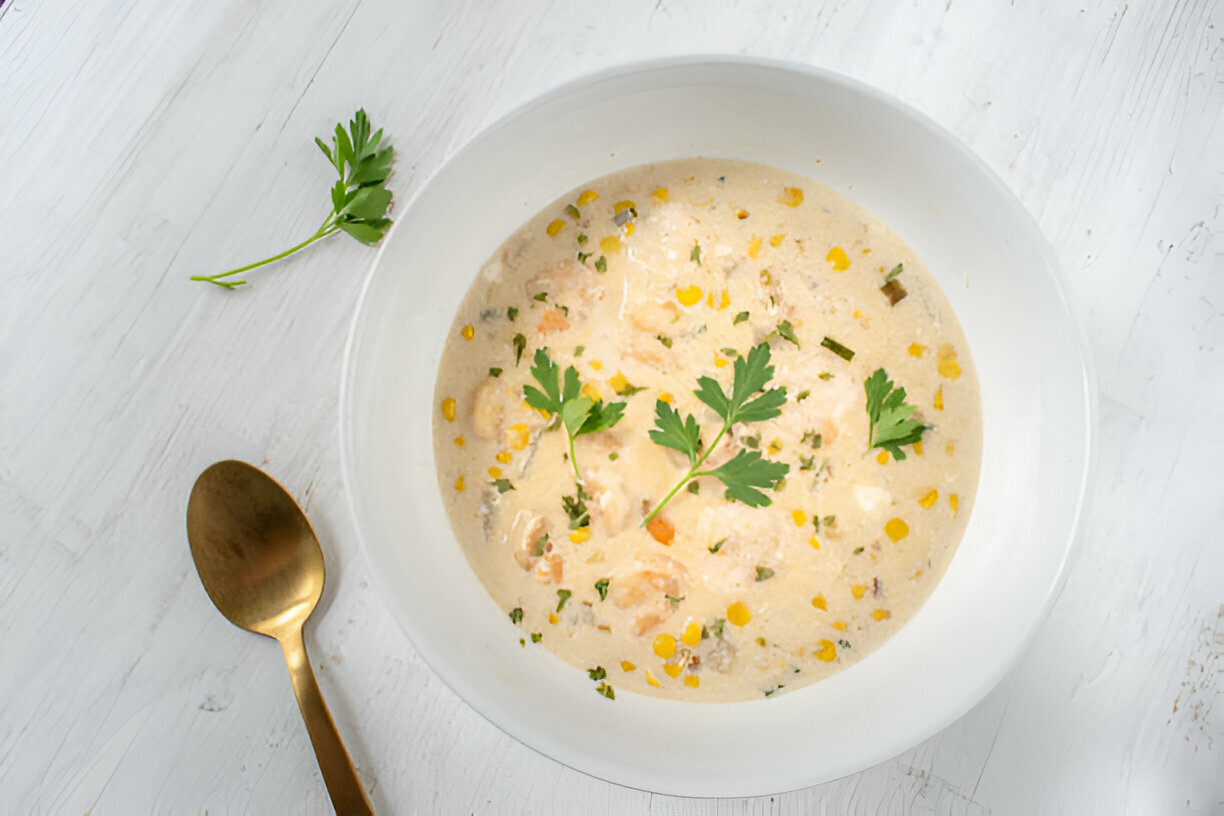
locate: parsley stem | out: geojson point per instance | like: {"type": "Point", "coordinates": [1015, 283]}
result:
{"type": "Point", "coordinates": [573, 461]}
{"type": "Point", "coordinates": [327, 228]}
{"type": "Point", "coordinates": [693, 473]}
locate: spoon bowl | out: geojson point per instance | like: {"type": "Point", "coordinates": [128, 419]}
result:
{"type": "Point", "coordinates": [262, 566]}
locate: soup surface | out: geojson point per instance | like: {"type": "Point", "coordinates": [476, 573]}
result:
{"type": "Point", "coordinates": [671, 441]}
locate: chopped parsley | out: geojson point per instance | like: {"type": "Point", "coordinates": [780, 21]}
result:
{"type": "Point", "coordinates": [601, 586]}
{"type": "Point", "coordinates": [502, 485]}
{"type": "Point", "coordinates": [629, 389]}
{"type": "Point", "coordinates": [673, 599]}
{"type": "Point", "coordinates": [578, 350]}
{"type": "Point", "coordinates": [858, 550]}
{"type": "Point", "coordinates": [787, 332]}
{"type": "Point", "coordinates": [802, 395]}
{"type": "Point", "coordinates": [512, 313]}
{"type": "Point", "coordinates": [842, 642]}
{"type": "Point", "coordinates": [825, 375]}
{"type": "Point", "coordinates": [572, 212]}
{"type": "Point", "coordinates": [601, 264]}
{"type": "Point", "coordinates": [813, 438]}
{"type": "Point", "coordinates": [717, 545]}
{"type": "Point", "coordinates": [540, 544]}
{"type": "Point", "coordinates": [575, 507]}
{"type": "Point", "coordinates": [666, 341]}
{"type": "Point", "coordinates": [764, 573]}
{"type": "Point", "coordinates": [495, 372]}
{"type": "Point", "coordinates": [582, 257]}
{"type": "Point", "coordinates": [716, 628]}
{"type": "Point", "coordinates": [606, 690]}
{"type": "Point", "coordinates": [695, 255]}
{"type": "Point", "coordinates": [753, 442]}
{"type": "Point", "coordinates": [582, 239]}
{"type": "Point", "coordinates": [896, 270]}
{"type": "Point", "coordinates": [694, 488]}
{"type": "Point", "coordinates": [516, 614]}
{"type": "Point", "coordinates": [563, 595]}
{"type": "Point", "coordinates": [597, 673]}
{"type": "Point", "coordinates": [729, 353]}
{"type": "Point", "coordinates": [520, 345]}
{"type": "Point", "coordinates": [540, 296]}
{"type": "Point", "coordinates": [536, 637]}
{"type": "Point", "coordinates": [807, 462]}
{"type": "Point", "coordinates": [739, 318]}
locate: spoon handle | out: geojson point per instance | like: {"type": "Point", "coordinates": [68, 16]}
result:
{"type": "Point", "coordinates": [347, 795]}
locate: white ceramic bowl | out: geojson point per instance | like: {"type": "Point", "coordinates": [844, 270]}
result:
{"type": "Point", "coordinates": [988, 256]}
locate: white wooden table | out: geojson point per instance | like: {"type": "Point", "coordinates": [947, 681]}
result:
{"type": "Point", "coordinates": [142, 142]}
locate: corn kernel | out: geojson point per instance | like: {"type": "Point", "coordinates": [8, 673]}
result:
{"type": "Point", "coordinates": [946, 362]}
{"type": "Point", "coordinates": [776, 241]}
{"type": "Point", "coordinates": [916, 350]}
{"type": "Point", "coordinates": [618, 381]}
{"type": "Point", "coordinates": [620, 206]}
{"type": "Point", "coordinates": [719, 362]}
{"type": "Point", "coordinates": [738, 614]}
{"type": "Point", "coordinates": [692, 681]}
{"type": "Point", "coordinates": [503, 457]}
{"type": "Point", "coordinates": [775, 446]}
{"type": "Point", "coordinates": [459, 484]}
{"type": "Point", "coordinates": [741, 214]}
{"type": "Point", "coordinates": [724, 301]}
{"type": "Point", "coordinates": [953, 501]}
{"type": "Point", "coordinates": [837, 257]}
{"type": "Point", "coordinates": [916, 575]}
{"type": "Point", "coordinates": [587, 197]}
{"type": "Point", "coordinates": [791, 196]}
{"type": "Point", "coordinates": [629, 229]}
{"type": "Point", "coordinates": [827, 651]}
{"type": "Point", "coordinates": [950, 448]}
{"type": "Point", "coordinates": [516, 436]}
{"type": "Point", "coordinates": [691, 635]}
{"type": "Point", "coordinates": [580, 535]}
{"type": "Point", "coordinates": [468, 332]}
{"type": "Point", "coordinates": [554, 227]}
{"type": "Point", "coordinates": [495, 472]}
{"type": "Point", "coordinates": [819, 603]}
{"type": "Point", "coordinates": [881, 614]}
{"type": "Point", "coordinates": [448, 409]}
{"type": "Point", "coordinates": [928, 501]}
{"type": "Point", "coordinates": [552, 617]}
{"type": "Point", "coordinates": [710, 300]}
{"type": "Point", "coordinates": [939, 398]}
{"type": "Point", "coordinates": [857, 591]}
{"type": "Point", "coordinates": [650, 680]}
{"type": "Point", "coordinates": [672, 669]}
{"type": "Point", "coordinates": [610, 245]}
{"type": "Point", "coordinates": [800, 518]}
{"type": "Point", "coordinates": [690, 296]}
{"type": "Point", "coordinates": [460, 441]}
{"type": "Point", "coordinates": [626, 666]}
{"type": "Point", "coordinates": [896, 529]}
{"type": "Point", "coordinates": [815, 542]}
{"type": "Point", "coordinates": [754, 246]}
{"type": "Point", "coordinates": [840, 626]}
{"type": "Point", "coordinates": [766, 278]}
{"type": "Point", "coordinates": [665, 646]}
{"type": "Point", "coordinates": [596, 365]}
{"type": "Point", "coordinates": [866, 251]}
{"type": "Point", "coordinates": [917, 446]}
{"type": "Point", "coordinates": [660, 193]}
{"type": "Point", "coordinates": [882, 457]}
{"type": "Point", "coordinates": [591, 392]}
{"type": "Point", "coordinates": [666, 397]}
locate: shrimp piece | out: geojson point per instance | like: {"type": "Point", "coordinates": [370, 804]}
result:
{"type": "Point", "coordinates": [488, 409]}
{"type": "Point", "coordinates": [526, 530]}
{"type": "Point", "coordinates": [610, 501]}
{"type": "Point", "coordinates": [645, 590]}
{"type": "Point", "coordinates": [653, 317]}
{"type": "Point", "coordinates": [568, 282]}
{"type": "Point", "coordinates": [552, 320]}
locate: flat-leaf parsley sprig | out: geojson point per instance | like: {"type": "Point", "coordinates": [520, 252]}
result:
{"type": "Point", "coordinates": [561, 396]}
{"type": "Point", "coordinates": [360, 199]}
{"type": "Point", "coordinates": [747, 471]}
{"type": "Point", "coordinates": [889, 416]}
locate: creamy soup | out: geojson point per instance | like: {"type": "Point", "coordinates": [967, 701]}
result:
{"type": "Point", "coordinates": [670, 436]}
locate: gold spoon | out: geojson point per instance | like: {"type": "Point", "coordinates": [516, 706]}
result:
{"type": "Point", "coordinates": [262, 566]}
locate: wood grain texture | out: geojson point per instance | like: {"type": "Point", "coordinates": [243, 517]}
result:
{"type": "Point", "coordinates": [143, 142]}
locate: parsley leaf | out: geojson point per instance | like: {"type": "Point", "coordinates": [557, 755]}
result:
{"type": "Point", "coordinates": [739, 318]}
{"type": "Point", "coordinates": [560, 395]}
{"type": "Point", "coordinates": [890, 417]}
{"type": "Point", "coordinates": [749, 401]}
{"type": "Point", "coordinates": [695, 255]}
{"type": "Point", "coordinates": [360, 198]}
{"type": "Point", "coordinates": [787, 332]}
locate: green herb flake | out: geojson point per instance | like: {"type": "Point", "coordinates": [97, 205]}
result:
{"type": "Point", "coordinates": [739, 318]}
{"type": "Point", "coordinates": [512, 313]}
{"type": "Point", "coordinates": [520, 345]}
{"type": "Point", "coordinates": [842, 642]}
{"type": "Point", "coordinates": [694, 488]}
{"type": "Point", "coordinates": [540, 544]}
{"type": "Point", "coordinates": [666, 341]}
{"type": "Point", "coordinates": [825, 375]}
{"type": "Point", "coordinates": [601, 264]}
{"type": "Point", "coordinates": [536, 637]}
{"type": "Point", "coordinates": [606, 690]}
{"type": "Point", "coordinates": [673, 598]}
{"type": "Point", "coordinates": [753, 442]}
{"type": "Point", "coordinates": [582, 239]}
{"type": "Point", "coordinates": [716, 628]}
{"type": "Point", "coordinates": [495, 372]}
{"type": "Point", "coordinates": [858, 550]}
{"type": "Point", "coordinates": [807, 462]}
{"type": "Point", "coordinates": [523, 642]}
{"type": "Point", "coordinates": [695, 255]}
{"type": "Point", "coordinates": [717, 545]}
{"type": "Point", "coordinates": [597, 673]}
{"type": "Point", "coordinates": [729, 353]}
{"type": "Point", "coordinates": [829, 521]}
{"type": "Point", "coordinates": [776, 688]}
{"type": "Point", "coordinates": [838, 349]}
{"type": "Point", "coordinates": [575, 507]}
{"type": "Point", "coordinates": [563, 595]}
{"type": "Point", "coordinates": [601, 586]}
{"type": "Point", "coordinates": [502, 485]}
{"type": "Point", "coordinates": [582, 257]}
{"type": "Point", "coordinates": [578, 350]}
{"type": "Point", "coordinates": [613, 456]}
{"type": "Point", "coordinates": [572, 212]}
{"type": "Point", "coordinates": [812, 438]}
{"type": "Point", "coordinates": [787, 332]}
{"type": "Point", "coordinates": [516, 614]}
{"type": "Point", "coordinates": [540, 296]}
{"type": "Point", "coordinates": [764, 573]}
{"type": "Point", "coordinates": [802, 395]}
{"type": "Point", "coordinates": [629, 389]}
{"type": "Point", "coordinates": [896, 270]}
